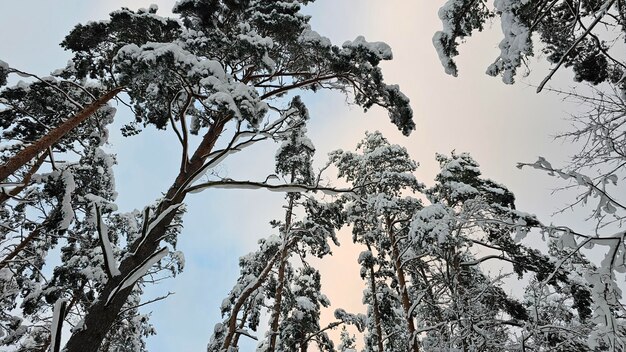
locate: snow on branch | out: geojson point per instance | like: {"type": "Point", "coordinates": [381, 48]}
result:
{"type": "Point", "coordinates": [289, 187]}
{"type": "Point", "coordinates": [245, 332]}
{"type": "Point", "coordinates": [107, 252]}
{"type": "Point", "coordinates": [607, 203]}
{"type": "Point", "coordinates": [66, 204]}
{"type": "Point", "coordinates": [149, 225]}
{"type": "Point", "coordinates": [58, 316]}
{"type": "Point", "coordinates": [237, 143]}
{"type": "Point", "coordinates": [138, 272]}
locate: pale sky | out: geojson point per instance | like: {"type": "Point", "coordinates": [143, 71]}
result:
{"type": "Point", "coordinates": [499, 125]}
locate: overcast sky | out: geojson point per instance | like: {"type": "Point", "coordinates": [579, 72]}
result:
{"type": "Point", "coordinates": [498, 124]}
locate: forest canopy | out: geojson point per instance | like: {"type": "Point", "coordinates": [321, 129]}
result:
{"type": "Point", "coordinates": [221, 79]}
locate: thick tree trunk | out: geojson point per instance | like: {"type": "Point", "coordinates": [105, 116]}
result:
{"type": "Point", "coordinates": [100, 317]}
{"type": "Point", "coordinates": [281, 278]}
{"type": "Point", "coordinates": [40, 146]}
{"type": "Point", "coordinates": [404, 293]}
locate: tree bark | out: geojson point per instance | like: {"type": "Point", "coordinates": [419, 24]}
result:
{"type": "Point", "coordinates": [377, 322]}
{"type": "Point", "coordinates": [404, 293]}
{"type": "Point", "coordinates": [28, 153]}
{"type": "Point", "coordinates": [242, 325]}
{"type": "Point", "coordinates": [281, 278]}
{"type": "Point", "coordinates": [100, 317]}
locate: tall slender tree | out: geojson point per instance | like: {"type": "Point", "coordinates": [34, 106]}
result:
{"type": "Point", "coordinates": [379, 214]}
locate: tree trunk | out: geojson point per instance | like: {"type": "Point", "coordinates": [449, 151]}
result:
{"type": "Point", "coordinates": [281, 277]}
{"type": "Point", "coordinates": [40, 146]}
{"type": "Point", "coordinates": [99, 318]}
{"type": "Point", "coordinates": [242, 325]}
{"type": "Point", "coordinates": [404, 293]}
{"type": "Point", "coordinates": [377, 322]}
{"type": "Point", "coordinates": [4, 196]}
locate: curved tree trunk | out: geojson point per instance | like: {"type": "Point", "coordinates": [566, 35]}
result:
{"type": "Point", "coordinates": [232, 322]}
{"type": "Point", "coordinates": [100, 317]}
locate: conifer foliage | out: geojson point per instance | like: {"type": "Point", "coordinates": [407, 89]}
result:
{"type": "Point", "coordinates": [581, 34]}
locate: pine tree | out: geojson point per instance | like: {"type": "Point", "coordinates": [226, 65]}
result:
{"type": "Point", "coordinates": [461, 306]}
{"type": "Point", "coordinates": [379, 215]}
{"type": "Point", "coordinates": [268, 279]}
{"type": "Point", "coordinates": [301, 324]}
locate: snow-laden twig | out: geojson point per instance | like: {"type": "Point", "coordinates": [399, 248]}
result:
{"type": "Point", "coordinates": [160, 298]}
{"type": "Point", "coordinates": [245, 332]}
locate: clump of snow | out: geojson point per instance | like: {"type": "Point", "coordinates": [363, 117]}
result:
{"type": "Point", "coordinates": [446, 15]}
{"type": "Point", "coordinates": [516, 42]}
{"type": "Point", "coordinates": [310, 36]}
{"type": "Point", "coordinates": [66, 205]}
{"type": "Point", "coordinates": [305, 304]}
{"type": "Point", "coordinates": [380, 49]}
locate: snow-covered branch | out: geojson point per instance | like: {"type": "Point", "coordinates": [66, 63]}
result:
{"type": "Point", "coordinates": [137, 273]}
{"type": "Point", "coordinates": [107, 252]}
{"type": "Point", "coordinates": [56, 328]}
{"type": "Point", "coordinates": [149, 225]}
{"type": "Point", "coordinates": [296, 188]}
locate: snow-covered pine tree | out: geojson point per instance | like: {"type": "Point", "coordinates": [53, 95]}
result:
{"type": "Point", "coordinates": [293, 161]}
{"type": "Point", "coordinates": [461, 307]}
{"type": "Point", "coordinates": [579, 34]}
{"type": "Point", "coordinates": [380, 213]}
{"type": "Point", "coordinates": [218, 66]}
{"type": "Point", "coordinates": [300, 327]}
{"type": "Point", "coordinates": [43, 119]}
{"type": "Point", "coordinates": [52, 206]}
{"type": "Point", "coordinates": [243, 305]}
